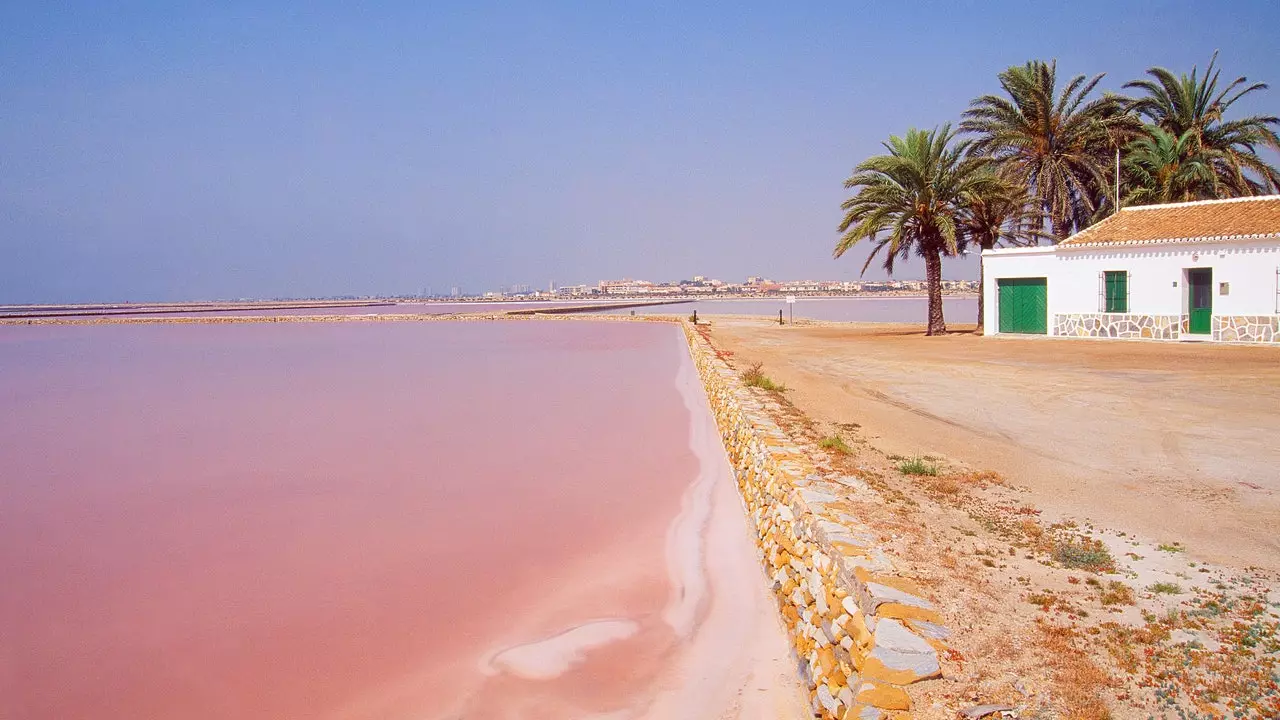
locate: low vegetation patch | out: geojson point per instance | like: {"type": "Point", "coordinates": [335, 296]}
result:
{"type": "Point", "coordinates": [1166, 588]}
{"type": "Point", "coordinates": [1116, 593]}
{"type": "Point", "coordinates": [1236, 677]}
{"type": "Point", "coordinates": [918, 466]}
{"type": "Point", "coordinates": [836, 443]}
{"type": "Point", "coordinates": [754, 377]}
{"type": "Point", "coordinates": [1172, 547]}
{"type": "Point", "coordinates": [1084, 554]}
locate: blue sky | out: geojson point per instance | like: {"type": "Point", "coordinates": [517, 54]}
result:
{"type": "Point", "coordinates": [168, 151]}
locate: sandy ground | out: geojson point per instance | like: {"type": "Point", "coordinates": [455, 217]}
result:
{"type": "Point", "coordinates": [1172, 441]}
{"type": "Point", "coordinates": [1074, 497]}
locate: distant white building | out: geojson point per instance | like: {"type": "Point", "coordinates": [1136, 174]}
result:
{"type": "Point", "coordinates": [1207, 270]}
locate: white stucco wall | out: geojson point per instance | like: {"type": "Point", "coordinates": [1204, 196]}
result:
{"type": "Point", "coordinates": [1249, 267]}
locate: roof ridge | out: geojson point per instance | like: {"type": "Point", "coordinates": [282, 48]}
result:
{"type": "Point", "coordinates": [1162, 206]}
{"type": "Point", "coordinates": [1187, 240]}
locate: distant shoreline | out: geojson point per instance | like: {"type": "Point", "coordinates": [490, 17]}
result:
{"type": "Point", "coordinates": [25, 312]}
{"type": "Point", "coordinates": [887, 294]}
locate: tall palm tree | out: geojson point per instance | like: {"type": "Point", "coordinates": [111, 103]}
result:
{"type": "Point", "coordinates": [1056, 144]}
{"type": "Point", "coordinates": [998, 212]}
{"type": "Point", "coordinates": [1180, 104]}
{"type": "Point", "coordinates": [911, 200]}
{"type": "Point", "coordinates": [1163, 168]}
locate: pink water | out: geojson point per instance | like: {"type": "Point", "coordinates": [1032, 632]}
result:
{"type": "Point", "coordinates": [390, 309]}
{"type": "Point", "coordinates": [385, 308]}
{"type": "Point", "coordinates": [333, 520]}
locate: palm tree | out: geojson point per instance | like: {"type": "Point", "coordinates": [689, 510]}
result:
{"type": "Point", "coordinates": [999, 212]}
{"type": "Point", "coordinates": [1184, 104]}
{"type": "Point", "coordinates": [1054, 144]}
{"type": "Point", "coordinates": [911, 200]}
{"type": "Point", "coordinates": [1163, 168]}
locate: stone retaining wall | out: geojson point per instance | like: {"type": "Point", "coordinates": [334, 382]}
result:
{"type": "Point", "coordinates": [859, 630]}
{"type": "Point", "coordinates": [1225, 328]}
{"type": "Point", "coordinates": [1117, 325]}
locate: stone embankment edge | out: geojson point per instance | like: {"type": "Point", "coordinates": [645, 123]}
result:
{"type": "Point", "coordinates": [860, 631]}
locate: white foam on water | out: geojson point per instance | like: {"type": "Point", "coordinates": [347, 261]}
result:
{"type": "Point", "coordinates": [551, 657]}
{"type": "Point", "coordinates": [686, 535]}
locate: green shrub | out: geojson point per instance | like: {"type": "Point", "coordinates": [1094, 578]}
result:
{"type": "Point", "coordinates": [918, 466]}
{"type": "Point", "coordinates": [837, 443]}
{"type": "Point", "coordinates": [755, 377]}
{"type": "Point", "coordinates": [1166, 588]}
{"type": "Point", "coordinates": [1085, 554]}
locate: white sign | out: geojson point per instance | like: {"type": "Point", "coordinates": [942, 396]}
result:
{"type": "Point", "coordinates": [791, 299]}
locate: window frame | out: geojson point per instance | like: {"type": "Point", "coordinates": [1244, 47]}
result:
{"type": "Point", "coordinates": [1115, 293]}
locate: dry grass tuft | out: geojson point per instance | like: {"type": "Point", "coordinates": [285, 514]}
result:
{"type": "Point", "coordinates": [1078, 680]}
{"type": "Point", "coordinates": [1116, 593]}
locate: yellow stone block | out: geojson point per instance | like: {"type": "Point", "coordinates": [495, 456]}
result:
{"type": "Point", "coordinates": [827, 659]}
{"type": "Point", "coordinates": [850, 550]}
{"type": "Point", "coordinates": [833, 602]}
{"type": "Point", "coordinates": [836, 680]}
{"type": "Point", "coordinates": [856, 626]}
{"type": "Point", "coordinates": [885, 697]}
{"type": "Point", "coordinates": [898, 611]}
{"type": "Point", "coordinates": [897, 583]}
{"type": "Point", "coordinates": [790, 614]}
{"type": "Point", "coordinates": [873, 669]}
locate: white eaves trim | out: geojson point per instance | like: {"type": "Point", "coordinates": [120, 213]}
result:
{"type": "Point", "coordinates": [1033, 250]}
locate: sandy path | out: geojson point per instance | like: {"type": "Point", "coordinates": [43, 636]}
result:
{"type": "Point", "coordinates": [1170, 441]}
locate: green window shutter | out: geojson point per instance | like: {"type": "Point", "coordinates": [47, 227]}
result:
{"type": "Point", "coordinates": [1117, 291]}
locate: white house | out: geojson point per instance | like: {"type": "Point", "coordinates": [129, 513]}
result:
{"type": "Point", "coordinates": [1207, 270]}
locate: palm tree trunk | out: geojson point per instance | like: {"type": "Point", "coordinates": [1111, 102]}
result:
{"type": "Point", "coordinates": [933, 277]}
{"type": "Point", "coordinates": [1061, 229]}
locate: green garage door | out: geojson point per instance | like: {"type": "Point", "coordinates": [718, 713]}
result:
{"type": "Point", "coordinates": [1023, 305]}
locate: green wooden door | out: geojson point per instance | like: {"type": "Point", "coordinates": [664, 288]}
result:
{"type": "Point", "coordinates": [1200, 301]}
{"type": "Point", "coordinates": [1023, 305]}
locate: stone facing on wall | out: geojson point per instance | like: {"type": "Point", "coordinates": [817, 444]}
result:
{"type": "Point", "coordinates": [1225, 328]}
{"type": "Point", "coordinates": [859, 630]}
{"type": "Point", "coordinates": [1246, 328]}
{"type": "Point", "coordinates": [1115, 325]}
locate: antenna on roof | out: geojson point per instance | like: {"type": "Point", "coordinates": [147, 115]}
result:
{"type": "Point", "coordinates": [1117, 178]}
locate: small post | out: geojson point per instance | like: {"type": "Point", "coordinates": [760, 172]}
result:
{"type": "Point", "coordinates": [695, 317]}
{"type": "Point", "coordinates": [779, 316]}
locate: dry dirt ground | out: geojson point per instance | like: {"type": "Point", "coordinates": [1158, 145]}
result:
{"type": "Point", "coordinates": [1103, 526]}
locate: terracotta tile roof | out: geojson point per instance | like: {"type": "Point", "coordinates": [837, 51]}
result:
{"type": "Point", "coordinates": [1204, 221]}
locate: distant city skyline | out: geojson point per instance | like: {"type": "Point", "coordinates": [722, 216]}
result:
{"type": "Point", "coordinates": [181, 152]}
{"type": "Point", "coordinates": [707, 285]}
